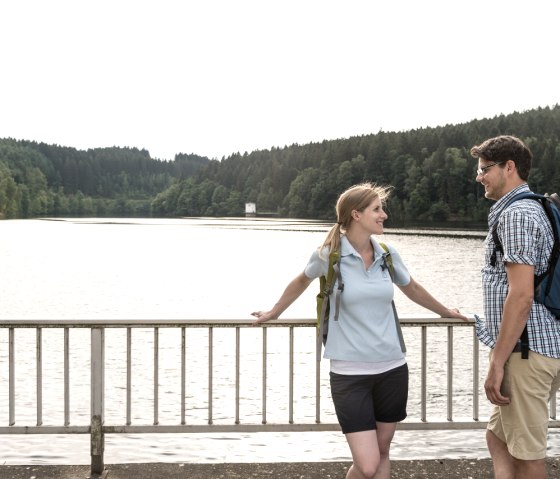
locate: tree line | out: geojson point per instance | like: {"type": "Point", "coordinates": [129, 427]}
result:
{"type": "Point", "coordinates": [37, 179]}
{"type": "Point", "coordinates": [430, 168]}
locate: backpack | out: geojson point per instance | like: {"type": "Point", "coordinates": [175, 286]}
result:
{"type": "Point", "coordinates": [326, 288]}
{"type": "Point", "coordinates": [547, 284]}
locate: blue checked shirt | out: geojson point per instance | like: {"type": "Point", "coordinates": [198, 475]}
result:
{"type": "Point", "coordinates": [526, 236]}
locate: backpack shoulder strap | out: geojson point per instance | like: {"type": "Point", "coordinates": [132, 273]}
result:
{"type": "Point", "coordinates": [334, 258]}
{"type": "Point", "coordinates": [497, 244]}
{"type": "Point", "coordinates": [388, 262]}
{"type": "Point", "coordinates": [325, 291]}
{"type": "Point", "coordinates": [335, 274]}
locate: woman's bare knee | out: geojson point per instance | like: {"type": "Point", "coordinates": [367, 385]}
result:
{"type": "Point", "coordinates": [362, 471]}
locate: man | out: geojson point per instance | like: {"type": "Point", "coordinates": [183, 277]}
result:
{"type": "Point", "coordinates": [519, 388]}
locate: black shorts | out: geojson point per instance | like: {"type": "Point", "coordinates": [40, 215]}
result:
{"type": "Point", "coordinates": [362, 400]}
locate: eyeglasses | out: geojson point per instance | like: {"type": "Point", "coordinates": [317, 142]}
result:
{"type": "Point", "coordinates": [482, 171]}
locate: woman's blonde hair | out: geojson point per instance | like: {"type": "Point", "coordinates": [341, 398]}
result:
{"type": "Point", "coordinates": [357, 197]}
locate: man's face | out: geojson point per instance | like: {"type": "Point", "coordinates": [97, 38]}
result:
{"type": "Point", "coordinates": [491, 175]}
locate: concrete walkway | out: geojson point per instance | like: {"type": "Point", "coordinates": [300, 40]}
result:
{"type": "Point", "coordinates": [433, 469]}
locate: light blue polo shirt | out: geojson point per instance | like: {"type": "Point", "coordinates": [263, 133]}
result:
{"type": "Point", "coordinates": [365, 330]}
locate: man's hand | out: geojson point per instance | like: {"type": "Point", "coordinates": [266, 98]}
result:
{"type": "Point", "coordinates": [493, 385]}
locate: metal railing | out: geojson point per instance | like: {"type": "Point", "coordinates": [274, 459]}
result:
{"type": "Point", "coordinates": [98, 426]}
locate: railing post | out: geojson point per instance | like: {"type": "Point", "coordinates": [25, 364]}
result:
{"type": "Point", "coordinates": [39, 382]}
{"type": "Point", "coordinates": [476, 372]}
{"type": "Point", "coordinates": [318, 346]}
{"type": "Point", "coordinates": [264, 373]}
{"type": "Point", "coordinates": [450, 373]}
{"type": "Point", "coordinates": [66, 376]}
{"type": "Point", "coordinates": [12, 378]}
{"type": "Point", "coordinates": [97, 406]}
{"type": "Point", "coordinates": [423, 374]}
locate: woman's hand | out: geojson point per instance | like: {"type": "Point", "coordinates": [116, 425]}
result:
{"type": "Point", "coordinates": [262, 317]}
{"type": "Point", "coordinates": [455, 313]}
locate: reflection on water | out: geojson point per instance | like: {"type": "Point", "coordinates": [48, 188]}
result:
{"type": "Point", "coordinates": [205, 268]}
{"type": "Point", "coordinates": [174, 269]}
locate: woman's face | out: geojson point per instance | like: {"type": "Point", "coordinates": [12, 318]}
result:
{"type": "Point", "coordinates": [372, 217]}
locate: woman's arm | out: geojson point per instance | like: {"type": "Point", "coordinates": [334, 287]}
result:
{"type": "Point", "coordinates": [417, 293]}
{"type": "Point", "coordinates": [292, 292]}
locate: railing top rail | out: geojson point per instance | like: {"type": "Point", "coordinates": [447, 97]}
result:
{"type": "Point", "coordinates": [406, 320]}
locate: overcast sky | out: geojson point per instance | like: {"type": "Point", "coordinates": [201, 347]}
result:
{"type": "Point", "coordinates": [214, 77]}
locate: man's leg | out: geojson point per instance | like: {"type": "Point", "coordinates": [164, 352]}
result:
{"type": "Point", "coordinates": [535, 469]}
{"type": "Point", "coordinates": [501, 458]}
{"type": "Point", "coordinates": [521, 427]}
{"type": "Point", "coordinates": [508, 467]}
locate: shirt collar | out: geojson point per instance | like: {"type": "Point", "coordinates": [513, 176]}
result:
{"type": "Point", "coordinates": [497, 208]}
{"type": "Point", "coordinates": [347, 249]}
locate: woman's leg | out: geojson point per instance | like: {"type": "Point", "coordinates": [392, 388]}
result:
{"type": "Point", "coordinates": [385, 433]}
{"type": "Point", "coordinates": [370, 452]}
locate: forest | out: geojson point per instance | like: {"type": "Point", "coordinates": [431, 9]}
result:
{"type": "Point", "coordinates": [38, 180]}
{"type": "Point", "coordinates": [431, 170]}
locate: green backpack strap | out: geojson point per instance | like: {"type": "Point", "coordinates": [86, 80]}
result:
{"type": "Point", "coordinates": [323, 298]}
{"type": "Point", "coordinates": [388, 261]}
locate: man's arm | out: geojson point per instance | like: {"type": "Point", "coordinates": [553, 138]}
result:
{"type": "Point", "coordinates": [517, 307]}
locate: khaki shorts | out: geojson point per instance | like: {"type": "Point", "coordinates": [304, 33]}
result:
{"type": "Point", "coordinates": [523, 424]}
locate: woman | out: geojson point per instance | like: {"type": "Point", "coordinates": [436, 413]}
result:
{"type": "Point", "coordinates": [369, 374]}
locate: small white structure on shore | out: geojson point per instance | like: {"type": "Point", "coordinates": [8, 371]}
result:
{"type": "Point", "coordinates": [250, 209]}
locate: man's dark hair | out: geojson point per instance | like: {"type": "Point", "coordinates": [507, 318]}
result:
{"type": "Point", "coordinates": [503, 148]}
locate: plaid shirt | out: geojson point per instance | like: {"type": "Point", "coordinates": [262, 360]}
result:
{"type": "Point", "coordinates": [526, 236]}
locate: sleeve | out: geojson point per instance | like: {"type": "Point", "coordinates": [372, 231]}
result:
{"type": "Point", "coordinates": [317, 265]}
{"type": "Point", "coordinates": [519, 234]}
{"type": "Point", "coordinates": [402, 276]}
{"type": "Point", "coordinates": [483, 334]}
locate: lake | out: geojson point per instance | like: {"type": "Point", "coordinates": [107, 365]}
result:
{"type": "Point", "coordinates": [200, 268]}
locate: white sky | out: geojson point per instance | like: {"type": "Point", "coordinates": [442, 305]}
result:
{"type": "Point", "coordinates": [214, 77]}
